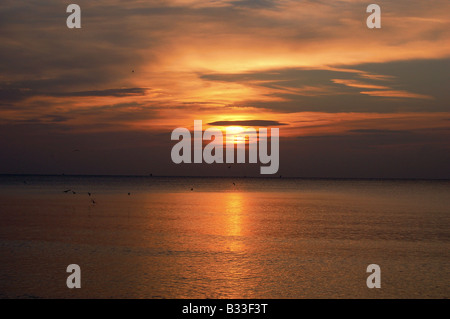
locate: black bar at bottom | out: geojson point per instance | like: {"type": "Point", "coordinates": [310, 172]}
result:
{"type": "Point", "coordinates": [226, 308]}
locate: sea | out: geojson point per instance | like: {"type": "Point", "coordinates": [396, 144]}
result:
{"type": "Point", "coordinates": [249, 238]}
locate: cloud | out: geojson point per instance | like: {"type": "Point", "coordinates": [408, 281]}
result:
{"type": "Point", "coordinates": [376, 131]}
{"type": "Point", "coordinates": [358, 84]}
{"type": "Point", "coordinates": [397, 94]}
{"type": "Point", "coordinates": [410, 86]}
{"type": "Point", "coordinates": [107, 92]}
{"type": "Point", "coordinates": [247, 123]}
{"type": "Point", "coordinates": [380, 90]}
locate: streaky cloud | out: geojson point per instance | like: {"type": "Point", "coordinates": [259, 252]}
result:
{"type": "Point", "coordinates": [247, 123]}
{"type": "Point", "coordinates": [107, 92]}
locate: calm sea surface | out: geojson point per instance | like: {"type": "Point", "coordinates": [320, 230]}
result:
{"type": "Point", "coordinates": [223, 237]}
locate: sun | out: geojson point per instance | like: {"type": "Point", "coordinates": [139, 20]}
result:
{"type": "Point", "coordinates": [234, 129]}
{"type": "Point", "coordinates": [238, 133]}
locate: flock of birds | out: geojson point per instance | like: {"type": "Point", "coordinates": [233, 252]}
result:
{"type": "Point", "coordinates": [73, 192]}
{"type": "Point", "coordinates": [89, 194]}
{"type": "Point", "coordinates": [129, 194]}
{"type": "Point", "coordinates": [93, 200]}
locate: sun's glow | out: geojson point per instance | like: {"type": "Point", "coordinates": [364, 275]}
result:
{"type": "Point", "coordinates": [237, 133]}
{"type": "Point", "coordinates": [235, 129]}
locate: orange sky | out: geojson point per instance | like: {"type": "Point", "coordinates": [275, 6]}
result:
{"type": "Point", "coordinates": [150, 66]}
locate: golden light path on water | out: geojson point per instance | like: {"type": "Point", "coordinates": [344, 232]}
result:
{"type": "Point", "coordinates": [225, 238]}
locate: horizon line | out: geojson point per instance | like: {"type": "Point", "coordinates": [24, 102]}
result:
{"type": "Point", "coordinates": [280, 176]}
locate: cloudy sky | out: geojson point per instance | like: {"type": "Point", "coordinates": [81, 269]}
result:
{"type": "Point", "coordinates": [349, 101]}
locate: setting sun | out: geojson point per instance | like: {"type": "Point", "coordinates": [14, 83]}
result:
{"type": "Point", "coordinates": [235, 129]}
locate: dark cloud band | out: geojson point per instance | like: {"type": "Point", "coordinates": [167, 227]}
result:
{"type": "Point", "coordinates": [247, 123]}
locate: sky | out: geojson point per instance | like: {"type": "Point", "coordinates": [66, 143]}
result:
{"type": "Point", "coordinates": [350, 102]}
